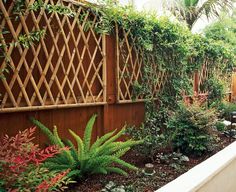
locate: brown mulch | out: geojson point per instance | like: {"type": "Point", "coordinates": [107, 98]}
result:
{"type": "Point", "coordinates": [137, 181]}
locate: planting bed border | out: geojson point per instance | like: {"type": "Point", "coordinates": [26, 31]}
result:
{"type": "Point", "coordinates": [216, 174]}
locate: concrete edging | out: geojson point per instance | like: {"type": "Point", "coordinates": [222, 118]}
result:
{"type": "Point", "coordinates": [216, 174]}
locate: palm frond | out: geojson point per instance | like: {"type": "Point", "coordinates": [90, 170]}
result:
{"type": "Point", "coordinates": [191, 10]}
{"type": "Point", "coordinates": [214, 7]}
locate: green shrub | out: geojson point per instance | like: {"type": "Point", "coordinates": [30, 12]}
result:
{"type": "Point", "coordinates": [216, 89]}
{"type": "Point", "coordinates": [225, 109]}
{"type": "Point", "coordinates": [87, 158]}
{"type": "Point", "coordinates": [220, 126]}
{"type": "Point", "coordinates": [191, 128]}
{"type": "Point", "coordinates": [153, 140]}
{"type": "Point", "coordinates": [151, 131]}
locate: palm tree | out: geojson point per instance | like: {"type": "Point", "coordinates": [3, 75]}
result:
{"type": "Point", "coordinates": [191, 10]}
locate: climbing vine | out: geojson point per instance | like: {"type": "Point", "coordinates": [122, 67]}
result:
{"type": "Point", "coordinates": [177, 52]}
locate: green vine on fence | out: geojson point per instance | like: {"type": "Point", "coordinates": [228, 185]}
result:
{"type": "Point", "coordinates": [176, 50]}
{"type": "Point", "coordinates": [27, 40]}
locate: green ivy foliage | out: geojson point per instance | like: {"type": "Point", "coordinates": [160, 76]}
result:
{"type": "Point", "coordinates": [179, 53]}
{"type": "Point", "coordinates": [223, 30]}
{"type": "Point", "coordinates": [176, 50]}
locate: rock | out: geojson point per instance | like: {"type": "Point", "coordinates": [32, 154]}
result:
{"type": "Point", "coordinates": [118, 190]}
{"type": "Point", "coordinates": [184, 158]}
{"type": "Point", "coordinates": [227, 123]}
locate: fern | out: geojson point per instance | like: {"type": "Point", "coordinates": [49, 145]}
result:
{"type": "Point", "coordinates": [72, 149]}
{"type": "Point", "coordinates": [66, 156]}
{"type": "Point", "coordinates": [45, 130]}
{"type": "Point", "coordinates": [116, 170]}
{"type": "Point", "coordinates": [88, 133]}
{"type": "Point", "coordinates": [86, 158]}
{"type": "Point", "coordinates": [101, 140]}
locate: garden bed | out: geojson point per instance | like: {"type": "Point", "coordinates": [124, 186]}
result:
{"type": "Point", "coordinates": [138, 181]}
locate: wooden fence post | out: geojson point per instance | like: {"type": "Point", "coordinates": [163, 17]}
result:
{"type": "Point", "coordinates": [196, 83]}
{"type": "Point", "coordinates": [233, 87]}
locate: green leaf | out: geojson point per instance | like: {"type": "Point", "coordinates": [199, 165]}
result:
{"type": "Point", "coordinates": [88, 133]}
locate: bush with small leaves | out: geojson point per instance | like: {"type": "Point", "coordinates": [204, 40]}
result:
{"type": "Point", "coordinates": [191, 128]}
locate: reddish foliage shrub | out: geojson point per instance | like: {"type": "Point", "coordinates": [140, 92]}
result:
{"type": "Point", "coordinates": [45, 185]}
{"type": "Point", "coordinates": [20, 159]}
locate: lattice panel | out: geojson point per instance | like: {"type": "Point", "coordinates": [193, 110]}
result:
{"type": "Point", "coordinates": [130, 62]}
{"type": "Point", "coordinates": [203, 75]}
{"type": "Point", "coordinates": [66, 68]}
{"type": "Point", "coordinates": [158, 77]}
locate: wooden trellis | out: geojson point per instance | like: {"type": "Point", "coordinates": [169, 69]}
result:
{"type": "Point", "coordinates": [203, 75]}
{"type": "Point", "coordinates": [130, 63]}
{"type": "Point", "coordinates": [65, 68]}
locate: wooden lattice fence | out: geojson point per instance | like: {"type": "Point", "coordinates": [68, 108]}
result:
{"type": "Point", "coordinates": [130, 69]}
{"type": "Point", "coordinates": [66, 68]}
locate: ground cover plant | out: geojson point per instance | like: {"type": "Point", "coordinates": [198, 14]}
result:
{"type": "Point", "coordinates": [87, 158]}
{"type": "Point", "coordinates": [22, 165]}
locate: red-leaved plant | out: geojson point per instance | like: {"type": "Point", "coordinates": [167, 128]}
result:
{"type": "Point", "coordinates": [21, 164]}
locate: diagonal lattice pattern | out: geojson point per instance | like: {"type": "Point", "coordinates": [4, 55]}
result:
{"type": "Point", "coordinates": [65, 68]}
{"type": "Point", "coordinates": [203, 75]}
{"type": "Point", "coordinates": [130, 63]}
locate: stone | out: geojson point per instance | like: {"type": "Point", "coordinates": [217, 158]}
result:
{"type": "Point", "coordinates": [184, 158]}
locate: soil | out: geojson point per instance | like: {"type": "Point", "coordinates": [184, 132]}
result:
{"type": "Point", "coordinates": [138, 181]}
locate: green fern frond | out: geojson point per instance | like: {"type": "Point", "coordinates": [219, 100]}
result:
{"type": "Point", "coordinates": [56, 166]}
{"type": "Point", "coordinates": [58, 139]}
{"type": "Point", "coordinates": [101, 140]}
{"type": "Point", "coordinates": [61, 144]}
{"type": "Point", "coordinates": [59, 159]}
{"type": "Point", "coordinates": [88, 133]}
{"type": "Point", "coordinates": [121, 152]}
{"type": "Point", "coordinates": [45, 130]}
{"type": "Point", "coordinates": [115, 146]}
{"type": "Point", "coordinates": [75, 173]}
{"type": "Point", "coordinates": [54, 138]}
{"type": "Point", "coordinates": [124, 164]}
{"type": "Point", "coordinates": [109, 141]}
{"type": "Point", "coordinates": [99, 170]}
{"type": "Point", "coordinates": [99, 161]}
{"type": "Point", "coordinates": [72, 149]}
{"type": "Point", "coordinates": [115, 137]}
{"type": "Point", "coordinates": [80, 145]}
{"type": "Point", "coordinates": [105, 160]}
{"type": "Point", "coordinates": [116, 170]}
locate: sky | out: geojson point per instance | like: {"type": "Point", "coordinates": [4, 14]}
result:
{"type": "Point", "coordinates": [156, 6]}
